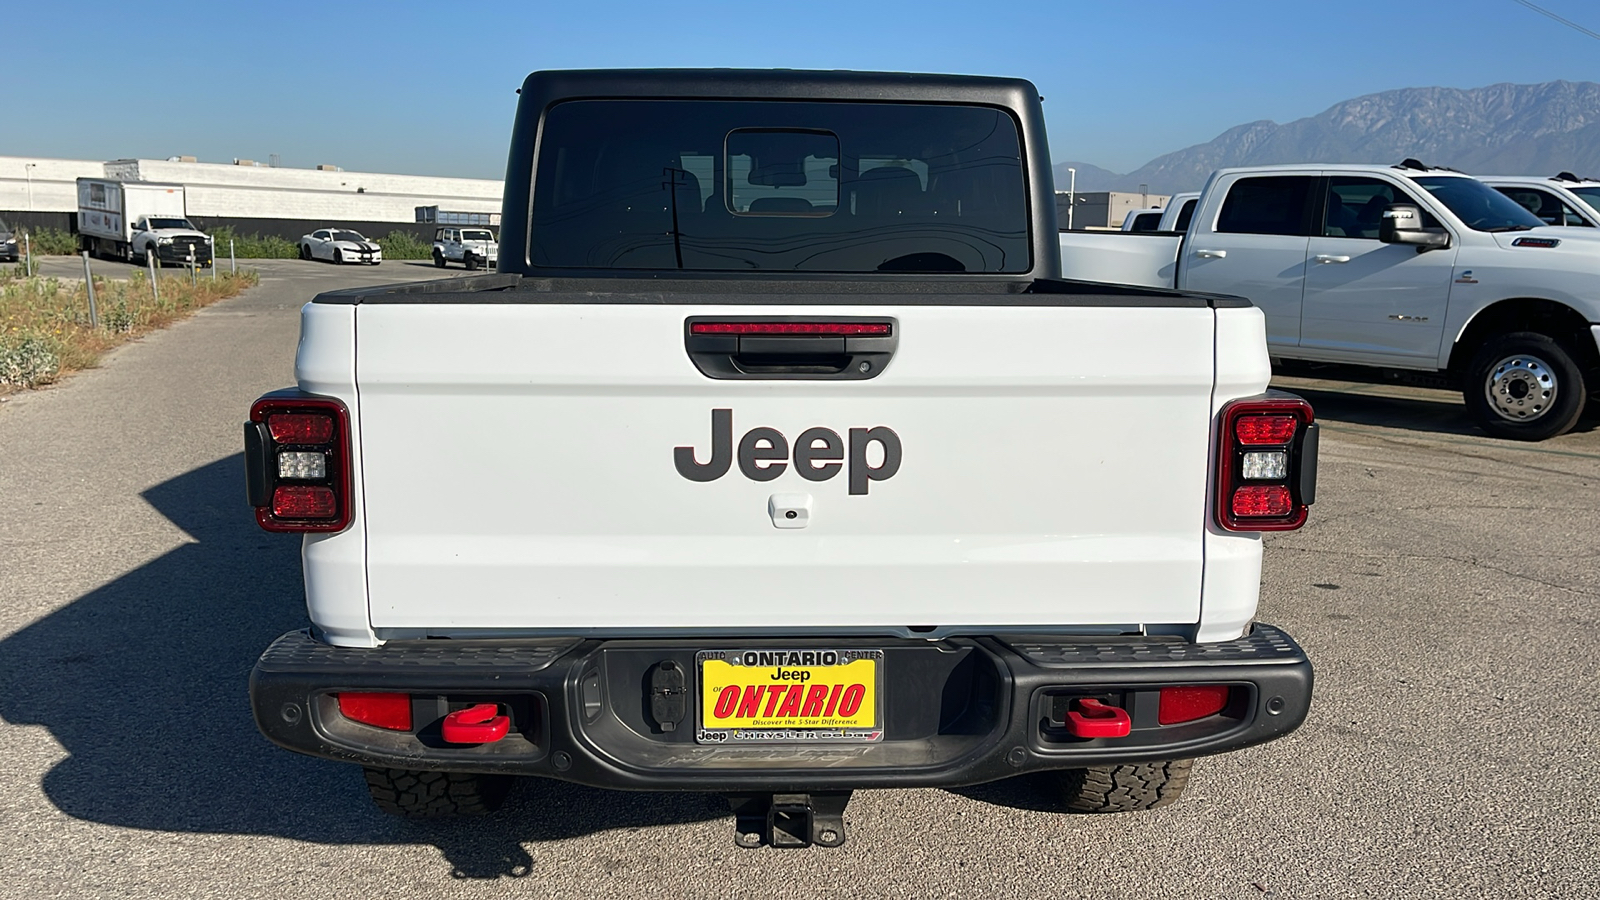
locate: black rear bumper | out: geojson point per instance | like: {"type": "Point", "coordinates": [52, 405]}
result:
{"type": "Point", "coordinates": [956, 712]}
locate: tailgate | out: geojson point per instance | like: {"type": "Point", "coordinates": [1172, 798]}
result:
{"type": "Point", "coordinates": [518, 469]}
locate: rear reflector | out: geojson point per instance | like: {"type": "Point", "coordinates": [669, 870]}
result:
{"type": "Point", "coordinates": [1267, 500]}
{"type": "Point", "coordinates": [870, 328]}
{"type": "Point", "coordinates": [1186, 704]}
{"type": "Point", "coordinates": [1258, 430]}
{"type": "Point", "coordinates": [391, 711]}
{"type": "Point", "coordinates": [300, 428]}
{"type": "Point", "coordinates": [296, 501]}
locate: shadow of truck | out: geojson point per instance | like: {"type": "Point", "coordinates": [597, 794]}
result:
{"type": "Point", "coordinates": [144, 682]}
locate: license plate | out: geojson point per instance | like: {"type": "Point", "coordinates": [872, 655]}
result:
{"type": "Point", "coordinates": [790, 696]}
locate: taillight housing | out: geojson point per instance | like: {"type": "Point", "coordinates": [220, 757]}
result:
{"type": "Point", "coordinates": [1266, 463]}
{"type": "Point", "coordinates": [297, 460]}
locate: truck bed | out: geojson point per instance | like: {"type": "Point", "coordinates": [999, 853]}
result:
{"type": "Point", "coordinates": [1143, 258]}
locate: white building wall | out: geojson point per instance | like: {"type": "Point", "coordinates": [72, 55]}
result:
{"type": "Point", "coordinates": [1124, 203]}
{"type": "Point", "coordinates": [252, 192]}
{"type": "Point", "coordinates": [43, 185]}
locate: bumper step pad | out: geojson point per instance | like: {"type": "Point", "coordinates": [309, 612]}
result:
{"type": "Point", "coordinates": [1263, 644]}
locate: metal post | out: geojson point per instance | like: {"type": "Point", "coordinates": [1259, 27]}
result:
{"type": "Point", "coordinates": [155, 283]}
{"type": "Point", "coordinates": [27, 243]}
{"type": "Point", "coordinates": [233, 264]}
{"type": "Point", "coordinates": [88, 282]}
{"type": "Point", "coordinates": [1072, 195]}
{"type": "Point", "coordinates": [194, 275]}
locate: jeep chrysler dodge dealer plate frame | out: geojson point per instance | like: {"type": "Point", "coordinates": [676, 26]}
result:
{"type": "Point", "coordinates": [789, 696]}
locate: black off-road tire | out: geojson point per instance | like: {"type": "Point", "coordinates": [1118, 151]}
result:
{"type": "Point", "coordinates": [436, 795]}
{"type": "Point", "coordinates": [1125, 788]}
{"type": "Point", "coordinates": [1564, 409]}
{"type": "Point", "coordinates": [438, 258]}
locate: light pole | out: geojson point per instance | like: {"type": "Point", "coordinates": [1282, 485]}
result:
{"type": "Point", "coordinates": [1072, 194]}
{"type": "Point", "coordinates": [27, 169]}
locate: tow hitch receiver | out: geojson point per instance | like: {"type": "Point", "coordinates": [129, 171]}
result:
{"type": "Point", "coordinates": [1094, 719]}
{"type": "Point", "coordinates": [789, 820]}
{"type": "Point", "coordinates": [480, 724]}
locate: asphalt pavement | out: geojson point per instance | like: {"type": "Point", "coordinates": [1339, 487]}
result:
{"type": "Point", "coordinates": [1445, 588]}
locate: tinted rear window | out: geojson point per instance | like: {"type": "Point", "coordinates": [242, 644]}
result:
{"type": "Point", "coordinates": [1146, 221]}
{"type": "Point", "coordinates": [1185, 215]}
{"type": "Point", "coordinates": [1272, 205]}
{"type": "Point", "coordinates": [779, 186]}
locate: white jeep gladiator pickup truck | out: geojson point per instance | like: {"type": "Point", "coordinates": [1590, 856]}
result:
{"type": "Point", "coordinates": [777, 461]}
{"type": "Point", "coordinates": [1398, 268]}
{"type": "Point", "coordinates": [474, 248]}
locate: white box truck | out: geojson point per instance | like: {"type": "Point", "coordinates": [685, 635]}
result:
{"type": "Point", "coordinates": [131, 220]}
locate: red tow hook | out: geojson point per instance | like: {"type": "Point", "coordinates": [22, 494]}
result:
{"type": "Point", "coordinates": [480, 724]}
{"type": "Point", "coordinates": [1098, 720]}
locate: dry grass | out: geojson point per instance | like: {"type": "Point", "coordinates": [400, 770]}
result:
{"type": "Point", "coordinates": [44, 322]}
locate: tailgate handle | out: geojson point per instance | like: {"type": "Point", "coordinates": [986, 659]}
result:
{"type": "Point", "coordinates": [790, 347]}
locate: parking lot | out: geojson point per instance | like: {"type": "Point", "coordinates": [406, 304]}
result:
{"type": "Point", "coordinates": [1445, 590]}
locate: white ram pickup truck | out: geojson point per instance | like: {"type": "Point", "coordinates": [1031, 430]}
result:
{"type": "Point", "coordinates": [777, 461]}
{"type": "Point", "coordinates": [1174, 217]}
{"type": "Point", "coordinates": [1563, 199]}
{"type": "Point", "coordinates": [1398, 268]}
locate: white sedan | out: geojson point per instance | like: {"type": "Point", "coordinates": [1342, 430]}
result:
{"type": "Point", "coordinates": [340, 246]}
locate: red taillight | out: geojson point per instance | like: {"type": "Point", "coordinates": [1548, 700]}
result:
{"type": "Point", "coordinates": [1266, 464]}
{"type": "Point", "coordinates": [294, 501]}
{"type": "Point", "coordinates": [300, 428]}
{"type": "Point", "coordinates": [307, 488]}
{"type": "Point", "coordinates": [1257, 430]}
{"type": "Point", "coordinates": [391, 711]}
{"type": "Point", "coordinates": [841, 328]}
{"type": "Point", "coordinates": [1259, 500]}
{"type": "Point", "coordinates": [1186, 704]}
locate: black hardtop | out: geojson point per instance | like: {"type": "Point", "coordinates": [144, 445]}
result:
{"type": "Point", "coordinates": [542, 90]}
{"type": "Point", "coordinates": [545, 88]}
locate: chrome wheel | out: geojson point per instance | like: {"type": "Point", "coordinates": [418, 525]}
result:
{"type": "Point", "coordinates": [1521, 388]}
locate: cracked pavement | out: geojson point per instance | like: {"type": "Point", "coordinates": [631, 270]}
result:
{"type": "Point", "coordinates": [1445, 589]}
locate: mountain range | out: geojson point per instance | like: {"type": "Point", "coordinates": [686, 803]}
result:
{"type": "Point", "coordinates": [1502, 129]}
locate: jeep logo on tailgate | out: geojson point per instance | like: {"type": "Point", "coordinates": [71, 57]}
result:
{"type": "Point", "coordinates": [818, 454]}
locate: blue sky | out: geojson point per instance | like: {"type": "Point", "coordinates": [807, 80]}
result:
{"type": "Point", "coordinates": [427, 88]}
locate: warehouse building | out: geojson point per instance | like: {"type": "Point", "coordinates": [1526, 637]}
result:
{"type": "Point", "coordinates": [253, 199]}
{"type": "Point", "coordinates": [1095, 210]}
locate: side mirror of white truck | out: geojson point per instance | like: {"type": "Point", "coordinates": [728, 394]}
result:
{"type": "Point", "coordinates": [1402, 224]}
